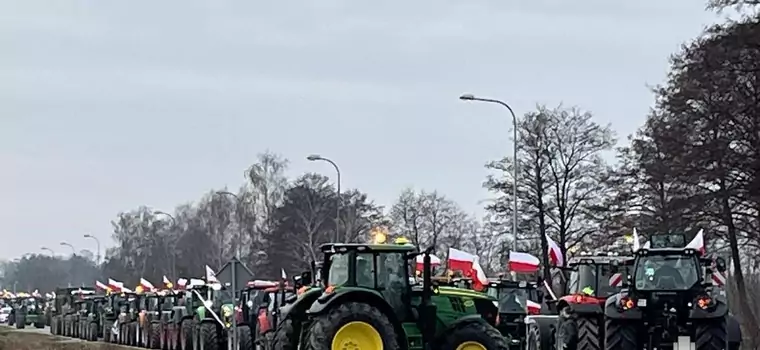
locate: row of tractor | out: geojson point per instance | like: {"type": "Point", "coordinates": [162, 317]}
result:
{"type": "Point", "coordinates": [368, 296]}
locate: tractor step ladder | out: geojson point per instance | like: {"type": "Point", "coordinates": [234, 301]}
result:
{"type": "Point", "coordinates": [684, 343]}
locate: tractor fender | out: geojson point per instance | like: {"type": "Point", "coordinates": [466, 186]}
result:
{"type": "Point", "coordinates": [593, 306]}
{"type": "Point", "coordinates": [734, 330]}
{"type": "Point", "coordinates": [298, 307]}
{"type": "Point", "coordinates": [720, 310]}
{"type": "Point", "coordinates": [327, 300]}
{"type": "Point", "coordinates": [612, 309]}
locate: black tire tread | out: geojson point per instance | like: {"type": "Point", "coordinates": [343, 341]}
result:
{"type": "Point", "coordinates": [588, 333]}
{"type": "Point", "coordinates": [208, 336]}
{"type": "Point", "coordinates": [474, 330]}
{"type": "Point", "coordinates": [154, 336]}
{"type": "Point", "coordinates": [186, 333]}
{"type": "Point", "coordinates": [619, 336]}
{"type": "Point", "coordinates": [711, 334]}
{"type": "Point", "coordinates": [319, 336]}
{"type": "Point", "coordinates": [284, 336]}
{"type": "Point", "coordinates": [246, 341]}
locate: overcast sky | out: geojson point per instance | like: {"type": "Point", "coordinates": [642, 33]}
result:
{"type": "Point", "coordinates": [108, 105]}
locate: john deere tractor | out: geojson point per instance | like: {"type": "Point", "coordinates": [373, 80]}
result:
{"type": "Point", "coordinates": [30, 312]}
{"type": "Point", "coordinates": [292, 314]}
{"type": "Point", "coordinates": [369, 302]}
{"type": "Point", "coordinates": [213, 309]}
{"type": "Point", "coordinates": [669, 302]}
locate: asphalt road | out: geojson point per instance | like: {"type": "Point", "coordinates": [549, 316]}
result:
{"type": "Point", "coordinates": [29, 329]}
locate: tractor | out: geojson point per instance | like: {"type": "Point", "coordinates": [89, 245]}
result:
{"type": "Point", "coordinates": [308, 286]}
{"type": "Point", "coordinates": [111, 310]}
{"type": "Point", "coordinates": [594, 278]}
{"type": "Point", "coordinates": [260, 302]}
{"type": "Point", "coordinates": [669, 302]}
{"type": "Point", "coordinates": [155, 318]}
{"type": "Point", "coordinates": [91, 325]}
{"type": "Point", "coordinates": [129, 328]}
{"type": "Point", "coordinates": [173, 312]}
{"type": "Point", "coordinates": [369, 302]}
{"type": "Point", "coordinates": [30, 311]}
{"type": "Point", "coordinates": [515, 301]}
{"type": "Point", "coordinates": [61, 301]}
{"type": "Point", "coordinates": [213, 309]}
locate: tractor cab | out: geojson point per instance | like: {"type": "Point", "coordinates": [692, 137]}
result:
{"type": "Point", "coordinates": [515, 302]}
{"type": "Point", "coordinates": [593, 278]}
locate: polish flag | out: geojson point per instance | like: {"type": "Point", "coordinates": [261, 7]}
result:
{"type": "Point", "coordinates": [718, 279]}
{"type": "Point", "coordinates": [616, 280]}
{"type": "Point", "coordinates": [523, 262]}
{"type": "Point", "coordinates": [698, 243]}
{"type": "Point", "coordinates": [434, 261]}
{"type": "Point", "coordinates": [101, 286]}
{"type": "Point", "coordinates": [115, 285]}
{"type": "Point", "coordinates": [636, 244]}
{"type": "Point", "coordinates": [468, 263]}
{"type": "Point", "coordinates": [534, 308]}
{"type": "Point", "coordinates": [555, 253]}
{"type": "Point", "coordinates": [283, 275]}
{"type": "Point", "coordinates": [211, 275]}
{"type": "Point", "coordinates": [167, 282]}
{"type": "Point", "coordinates": [146, 284]}
{"type": "Point", "coordinates": [181, 283]}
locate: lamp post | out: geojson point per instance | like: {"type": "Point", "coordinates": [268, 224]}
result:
{"type": "Point", "coordinates": [316, 157]}
{"type": "Point", "coordinates": [52, 253]}
{"type": "Point", "coordinates": [237, 209]}
{"type": "Point", "coordinates": [97, 257]}
{"type": "Point", "coordinates": [174, 245]}
{"type": "Point", "coordinates": [471, 97]}
{"type": "Point", "coordinates": [73, 250]}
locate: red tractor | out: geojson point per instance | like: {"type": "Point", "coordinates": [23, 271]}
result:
{"type": "Point", "coordinates": [257, 314]}
{"type": "Point", "coordinates": [593, 278]}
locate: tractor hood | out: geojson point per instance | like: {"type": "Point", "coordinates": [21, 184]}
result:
{"type": "Point", "coordinates": [463, 293]}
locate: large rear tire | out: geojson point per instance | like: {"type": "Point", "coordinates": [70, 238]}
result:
{"type": "Point", "coordinates": [349, 322]}
{"type": "Point", "coordinates": [186, 334]}
{"type": "Point", "coordinates": [154, 336]}
{"type": "Point", "coordinates": [711, 334]}
{"type": "Point", "coordinates": [209, 339]}
{"type": "Point", "coordinates": [620, 335]}
{"type": "Point", "coordinates": [246, 341]}
{"type": "Point", "coordinates": [285, 336]}
{"type": "Point", "coordinates": [476, 334]}
{"type": "Point", "coordinates": [93, 332]}
{"type": "Point", "coordinates": [20, 321]}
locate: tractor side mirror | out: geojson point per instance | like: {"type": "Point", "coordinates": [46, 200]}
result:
{"type": "Point", "coordinates": [720, 264]}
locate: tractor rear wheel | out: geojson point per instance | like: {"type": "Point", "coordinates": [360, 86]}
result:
{"type": "Point", "coordinates": [711, 334]}
{"type": "Point", "coordinates": [246, 341]}
{"type": "Point", "coordinates": [285, 336]}
{"type": "Point", "coordinates": [93, 332]}
{"type": "Point", "coordinates": [352, 324]}
{"type": "Point", "coordinates": [20, 321]}
{"type": "Point", "coordinates": [154, 336]}
{"type": "Point", "coordinates": [186, 334]}
{"type": "Point", "coordinates": [476, 334]}
{"type": "Point", "coordinates": [620, 335]}
{"type": "Point", "coordinates": [588, 332]}
{"type": "Point", "coordinates": [209, 339]}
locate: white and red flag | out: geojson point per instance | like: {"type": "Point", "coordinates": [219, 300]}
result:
{"type": "Point", "coordinates": [434, 261]}
{"type": "Point", "coordinates": [522, 262]}
{"type": "Point", "coordinates": [556, 258]}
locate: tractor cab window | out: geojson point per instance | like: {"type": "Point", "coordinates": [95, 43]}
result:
{"type": "Point", "coordinates": [365, 270]}
{"type": "Point", "coordinates": [338, 273]}
{"type": "Point", "coordinates": [152, 303]}
{"type": "Point", "coordinates": [583, 280]}
{"type": "Point", "coordinates": [392, 270]}
{"type": "Point", "coordinates": [666, 272]}
{"type": "Point", "coordinates": [510, 299]}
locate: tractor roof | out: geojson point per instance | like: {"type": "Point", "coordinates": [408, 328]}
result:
{"type": "Point", "coordinates": [667, 252]}
{"type": "Point", "coordinates": [501, 283]}
{"type": "Point", "coordinates": [596, 260]}
{"type": "Point", "coordinates": [389, 248]}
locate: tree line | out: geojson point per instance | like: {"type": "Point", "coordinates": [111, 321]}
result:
{"type": "Point", "coordinates": [692, 165]}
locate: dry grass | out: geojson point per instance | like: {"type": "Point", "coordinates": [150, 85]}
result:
{"type": "Point", "coordinates": [16, 340]}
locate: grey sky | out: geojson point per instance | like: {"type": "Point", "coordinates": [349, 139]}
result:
{"type": "Point", "coordinates": [107, 105]}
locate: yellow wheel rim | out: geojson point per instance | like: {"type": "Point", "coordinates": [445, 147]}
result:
{"type": "Point", "coordinates": [357, 335]}
{"type": "Point", "coordinates": [471, 345]}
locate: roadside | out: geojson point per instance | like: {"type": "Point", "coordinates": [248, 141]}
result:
{"type": "Point", "coordinates": [12, 339]}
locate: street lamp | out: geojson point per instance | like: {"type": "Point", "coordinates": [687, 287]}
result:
{"type": "Point", "coordinates": [52, 253]}
{"type": "Point", "coordinates": [237, 209]}
{"type": "Point", "coordinates": [73, 251]}
{"type": "Point", "coordinates": [314, 158]}
{"type": "Point", "coordinates": [97, 257]}
{"type": "Point", "coordinates": [471, 97]}
{"type": "Point", "coordinates": [176, 241]}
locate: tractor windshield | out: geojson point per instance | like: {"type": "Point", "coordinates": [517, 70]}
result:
{"type": "Point", "coordinates": [511, 300]}
{"type": "Point", "coordinates": [593, 280]}
{"type": "Point", "coordinates": [338, 273]}
{"type": "Point", "coordinates": [663, 272]}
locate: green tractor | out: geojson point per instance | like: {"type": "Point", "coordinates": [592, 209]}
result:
{"type": "Point", "coordinates": [371, 302]}
{"type": "Point", "coordinates": [167, 324]}
{"type": "Point", "coordinates": [292, 315]}
{"type": "Point", "coordinates": [30, 312]}
{"type": "Point", "coordinates": [61, 303]}
{"type": "Point", "coordinates": [212, 313]}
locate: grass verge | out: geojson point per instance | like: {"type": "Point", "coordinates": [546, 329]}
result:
{"type": "Point", "coordinates": [11, 339]}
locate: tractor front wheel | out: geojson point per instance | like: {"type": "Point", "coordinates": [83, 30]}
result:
{"type": "Point", "coordinates": [209, 339]}
{"type": "Point", "coordinates": [352, 325]}
{"type": "Point", "coordinates": [711, 334]}
{"type": "Point", "coordinates": [475, 334]}
{"type": "Point", "coordinates": [93, 332]}
{"type": "Point", "coordinates": [186, 335]}
{"type": "Point", "coordinates": [620, 335]}
{"type": "Point", "coordinates": [154, 336]}
{"type": "Point", "coordinates": [20, 321]}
